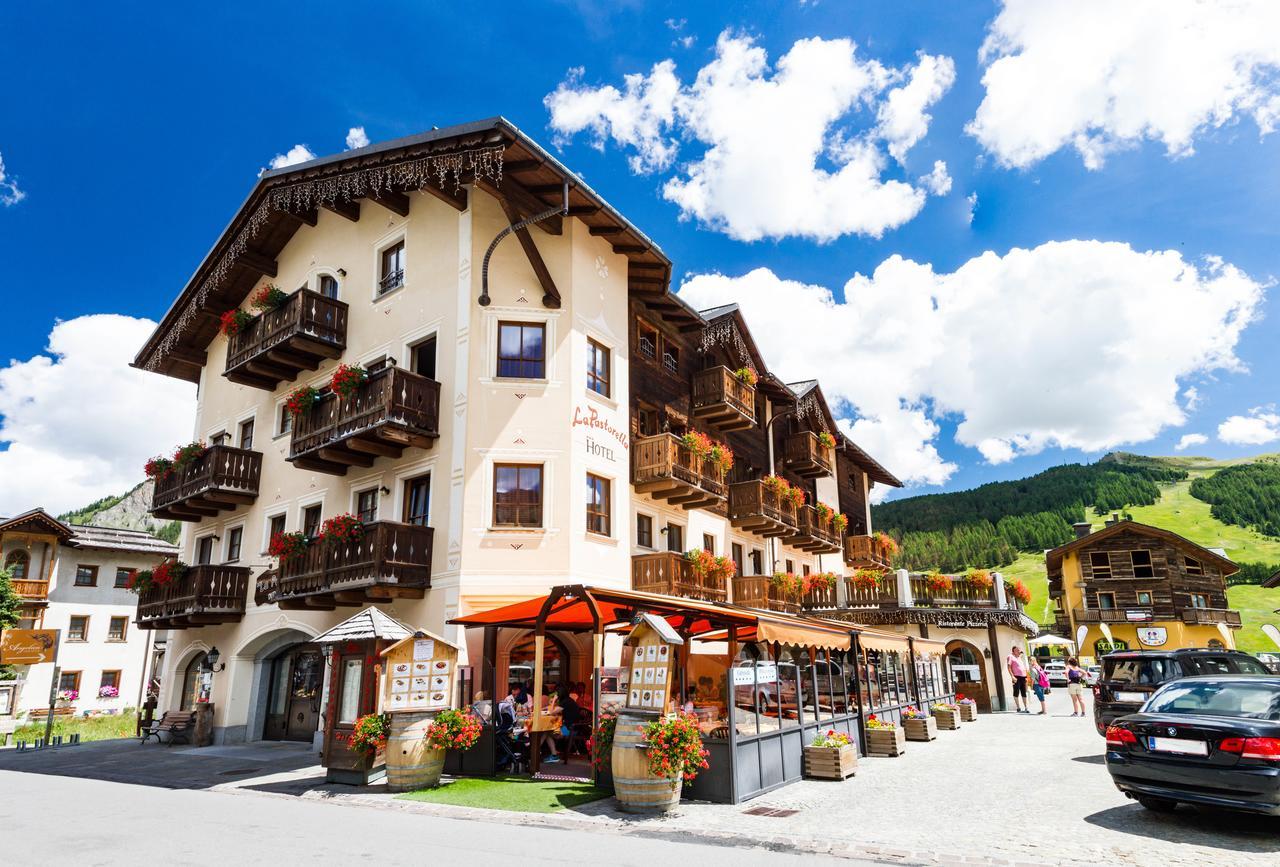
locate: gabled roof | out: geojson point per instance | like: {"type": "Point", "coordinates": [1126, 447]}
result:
{"type": "Point", "coordinates": [1273, 581]}
{"type": "Point", "coordinates": [870, 465]}
{"type": "Point", "coordinates": [369, 623]}
{"type": "Point", "coordinates": [36, 520]}
{"type": "Point", "coordinates": [1053, 557]}
{"type": "Point", "coordinates": [115, 539]}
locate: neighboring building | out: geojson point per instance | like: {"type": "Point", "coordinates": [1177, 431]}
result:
{"type": "Point", "coordinates": [72, 578]}
{"type": "Point", "coordinates": [519, 429]}
{"type": "Point", "coordinates": [1150, 587]}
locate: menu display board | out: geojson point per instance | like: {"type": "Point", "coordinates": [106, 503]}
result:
{"type": "Point", "coordinates": [652, 661]}
{"type": "Point", "coordinates": [419, 674]}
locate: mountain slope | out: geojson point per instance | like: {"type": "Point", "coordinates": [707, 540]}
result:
{"type": "Point", "coordinates": [129, 511]}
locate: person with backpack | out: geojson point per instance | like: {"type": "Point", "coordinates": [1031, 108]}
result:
{"type": "Point", "coordinates": [1075, 686]}
{"type": "Point", "coordinates": [1039, 684]}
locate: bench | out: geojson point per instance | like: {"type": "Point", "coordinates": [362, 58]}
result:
{"type": "Point", "coordinates": [178, 724]}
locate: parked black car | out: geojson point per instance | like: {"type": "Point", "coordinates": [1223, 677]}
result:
{"type": "Point", "coordinates": [1211, 741]}
{"type": "Point", "coordinates": [1129, 677]}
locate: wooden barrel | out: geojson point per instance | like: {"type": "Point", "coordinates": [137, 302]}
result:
{"type": "Point", "coordinates": [637, 790]}
{"type": "Point", "coordinates": [410, 764]}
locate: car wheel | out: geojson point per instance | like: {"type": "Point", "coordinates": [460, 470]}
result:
{"type": "Point", "coordinates": [1156, 805]}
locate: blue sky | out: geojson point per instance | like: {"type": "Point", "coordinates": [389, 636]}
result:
{"type": "Point", "coordinates": [146, 128]}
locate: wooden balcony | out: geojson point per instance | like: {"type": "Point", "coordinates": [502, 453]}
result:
{"type": "Point", "coordinates": [671, 574]}
{"type": "Point", "coordinates": [803, 455]}
{"type": "Point", "coordinates": [1210, 616]}
{"type": "Point", "coordinates": [812, 534]}
{"type": "Point", "coordinates": [867, 552]}
{"type": "Point", "coordinates": [884, 595]}
{"type": "Point", "coordinates": [663, 468]}
{"type": "Point", "coordinates": [961, 594]}
{"type": "Point", "coordinates": [394, 410]}
{"type": "Point", "coordinates": [722, 399]}
{"type": "Point", "coordinates": [223, 478]}
{"type": "Point", "coordinates": [756, 509]}
{"type": "Point", "coordinates": [819, 598]}
{"type": "Point", "coordinates": [279, 344]}
{"type": "Point", "coordinates": [31, 591]}
{"type": "Point", "coordinates": [757, 591]}
{"type": "Point", "coordinates": [1141, 614]}
{"type": "Point", "coordinates": [389, 561]}
{"type": "Point", "coordinates": [203, 595]}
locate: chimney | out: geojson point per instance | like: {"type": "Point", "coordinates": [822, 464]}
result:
{"type": "Point", "coordinates": [1114, 519]}
{"type": "Point", "coordinates": [1082, 528]}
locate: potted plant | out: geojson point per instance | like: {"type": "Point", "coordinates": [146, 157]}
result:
{"type": "Point", "coordinates": [269, 297]}
{"type": "Point", "coordinates": [107, 691]}
{"type": "Point", "coordinates": [158, 468]}
{"type": "Point", "coordinates": [698, 443]}
{"type": "Point", "coordinates": [826, 440]}
{"type": "Point", "coordinates": [1018, 590]}
{"type": "Point", "coordinates": [787, 584]}
{"type": "Point", "coordinates": [722, 456]}
{"type": "Point", "coordinates": [300, 400]}
{"type": "Point", "coordinates": [185, 457]}
{"type": "Point", "coordinates": [288, 547]}
{"type": "Point", "coordinates": [831, 756]}
{"type": "Point", "coordinates": [980, 579]}
{"type": "Point", "coordinates": [947, 715]}
{"type": "Point", "coordinates": [968, 709]}
{"type": "Point", "coordinates": [341, 528]}
{"type": "Point", "coordinates": [675, 752]}
{"type": "Point", "coordinates": [866, 579]}
{"type": "Point", "coordinates": [884, 738]}
{"type": "Point", "coordinates": [795, 496]}
{"type": "Point", "coordinates": [825, 512]}
{"type": "Point", "coordinates": [888, 546]}
{"type": "Point", "coordinates": [918, 725]}
{"type": "Point", "coordinates": [840, 523]}
{"type": "Point", "coordinates": [746, 376]}
{"type": "Point", "coordinates": [937, 582]}
{"type": "Point", "coordinates": [776, 485]}
{"type": "Point", "coordinates": [450, 730]}
{"type": "Point", "coordinates": [369, 738]}
{"type": "Point", "coordinates": [347, 379]}
{"type": "Point", "coordinates": [234, 321]}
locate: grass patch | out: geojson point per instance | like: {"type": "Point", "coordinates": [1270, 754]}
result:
{"type": "Point", "coordinates": [98, 728]}
{"type": "Point", "coordinates": [1256, 605]}
{"type": "Point", "coordinates": [518, 794]}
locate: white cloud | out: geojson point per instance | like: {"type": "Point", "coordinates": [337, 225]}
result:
{"type": "Point", "coordinates": [299, 153]}
{"type": "Point", "coordinates": [1098, 75]}
{"type": "Point", "coordinates": [79, 423]}
{"type": "Point", "coordinates": [1191, 398]}
{"type": "Point", "coordinates": [1261, 425]}
{"type": "Point", "coordinates": [972, 199]}
{"type": "Point", "coordinates": [1189, 440]}
{"type": "Point", "coordinates": [10, 194]}
{"type": "Point", "coordinates": [1012, 348]}
{"type": "Point", "coordinates": [357, 138]}
{"type": "Point", "coordinates": [799, 149]}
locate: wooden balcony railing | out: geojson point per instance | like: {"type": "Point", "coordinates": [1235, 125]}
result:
{"type": "Point", "coordinates": [222, 478]}
{"type": "Point", "coordinates": [662, 467]}
{"type": "Point", "coordinates": [756, 509]}
{"type": "Point", "coordinates": [867, 552]}
{"type": "Point", "coordinates": [1126, 614]}
{"type": "Point", "coordinates": [389, 560]}
{"type": "Point", "coordinates": [393, 410]}
{"type": "Point", "coordinates": [884, 595]}
{"type": "Point", "coordinates": [278, 344]}
{"type": "Point", "coordinates": [670, 574]}
{"type": "Point", "coordinates": [203, 595]}
{"type": "Point", "coordinates": [722, 399]}
{"type": "Point", "coordinates": [961, 594]}
{"type": "Point", "coordinates": [758, 591]}
{"type": "Point", "coordinates": [820, 597]}
{"type": "Point", "coordinates": [813, 534]}
{"type": "Point", "coordinates": [1210, 616]}
{"type": "Point", "coordinates": [805, 456]}
{"type": "Point", "coordinates": [30, 590]}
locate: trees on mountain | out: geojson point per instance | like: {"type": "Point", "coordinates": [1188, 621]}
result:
{"type": "Point", "coordinates": [1247, 496]}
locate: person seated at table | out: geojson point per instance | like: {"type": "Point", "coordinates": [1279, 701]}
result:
{"type": "Point", "coordinates": [519, 696]}
{"type": "Point", "coordinates": [570, 716]}
{"type": "Point", "coordinates": [691, 695]}
{"type": "Point", "coordinates": [582, 696]}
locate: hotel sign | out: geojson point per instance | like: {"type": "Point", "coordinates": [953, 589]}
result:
{"type": "Point", "coordinates": [590, 419]}
{"type": "Point", "coordinates": [28, 646]}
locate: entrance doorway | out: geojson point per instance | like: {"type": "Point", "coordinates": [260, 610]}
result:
{"type": "Point", "coordinates": [555, 663]}
{"type": "Point", "coordinates": [969, 673]}
{"type": "Point", "coordinates": [293, 703]}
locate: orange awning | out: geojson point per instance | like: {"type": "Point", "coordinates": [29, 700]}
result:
{"type": "Point", "coordinates": [872, 639]}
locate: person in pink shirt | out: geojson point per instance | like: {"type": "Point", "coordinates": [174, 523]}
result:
{"type": "Point", "coordinates": [1018, 671]}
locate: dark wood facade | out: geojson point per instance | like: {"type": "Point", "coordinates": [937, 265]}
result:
{"type": "Point", "coordinates": [223, 478]}
{"type": "Point", "coordinates": [390, 560]}
{"type": "Point", "coordinates": [205, 594]}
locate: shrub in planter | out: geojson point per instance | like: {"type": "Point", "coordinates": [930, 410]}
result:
{"type": "Point", "coordinates": [269, 297]}
{"type": "Point", "coordinates": [288, 547]}
{"type": "Point", "coordinates": [234, 321]}
{"type": "Point", "coordinates": [300, 400]}
{"type": "Point", "coordinates": [347, 378]}
{"type": "Point", "coordinates": [341, 528]}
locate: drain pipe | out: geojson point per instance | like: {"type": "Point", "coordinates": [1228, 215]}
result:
{"type": "Point", "coordinates": [562, 209]}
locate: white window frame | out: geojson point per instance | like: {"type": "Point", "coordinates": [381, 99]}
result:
{"type": "Point", "coordinates": [396, 235]}
{"type": "Point", "coordinates": [306, 502]}
{"type": "Point", "coordinates": [226, 538]}
{"type": "Point", "coordinates": [549, 319]}
{"type": "Point", "coordinates": [549, 477]}
{"type": "Point", "coordinates": [251, 415]}
{"type": "Point", "coordinates": [611, 345]}
{"type": "Point", "coordinates": [314, 275]}
{"type": "Point", "coordinates": [610, 538]}
{"type": "Point", "coordinates": [284, 509]}
{"type": "Point", "coordinates": [655, 531]}
{"type": "Point", "coordinates": [402, 475]}
{"type": "Point", "coordinates": [418, 335]}
{"type": "Point", "coordinates": [209, 534]}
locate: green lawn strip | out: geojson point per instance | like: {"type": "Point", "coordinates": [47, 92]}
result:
{"type": "Point", "coordinates": [517, 794]}
{"type": "Point", "coordinates": [98, 728]}
{"type": "Point", "coordinates": [1030, 568]}
{"type": "Point", "coordinates": [1257, 606]}
{"type": "Point", "coordinates": [1183, 514]}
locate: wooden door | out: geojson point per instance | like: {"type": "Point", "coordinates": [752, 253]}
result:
{"type": "Point", "coordinates": [303, 706]}
{"type": "Point", "coordinates": [969, 673]}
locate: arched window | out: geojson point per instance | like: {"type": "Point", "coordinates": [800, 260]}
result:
{"type": "Point", "coordinates": [193, 683]}
{"type": "Point", "coordinates": [17, 562]}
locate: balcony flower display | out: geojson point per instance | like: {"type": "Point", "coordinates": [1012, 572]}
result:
{"type": "Point", "coordinates": [158, 468]}
{"type": "Point", "coordinates": [288, 547]}
{"type": "Point", "coordinates": [234, 321]}
{"type": "Point", "coordinates": [819, 581]}
{"type": "Point", "coordinates": [866, 579]}
{"type": "Point", "coordinates": [698, 443]}
{"type": "Point", "coordinates": [139, 581]}
{"type": "Point", "coordinates": [788, 584]}
{"type": "Point", "coordinates": [186, 456]}
{"type": "Point", "coordinates": [300, 400]}
{"type": "Point", "coordinates": [600, 744]}
{"type": "Point", "coordinates": [886, 542]}
{"type": "Point", "coordinates": [370, 733]}
{"type": "Point", "coordinates": [66, 696]}
{"type": "Point", "coordinates": [675, 750]}
{"type": "Point", "coordinates": [1018, 590]}
{"type": "Point", "coordinates": [840, 522]}
{"type": "Point", "coordinates": [830, 738]}
{"type": "Point", "coordinates": [776, 485]}
{"type": "Point", "coordinates": [710, 568]}
{"type": "Point", "coordinates": [937, 582]}
{"type": "Point", "coordinates": [168, 572]}
{"type": "Point", "coordinates": [346, 379]}
{"type": "Point", "coordinates": [722, 456]}
{"type": "Point", "coordinates": [795, 496]}
{"type": "Point", "coordinates": [826, 440]}
{"type": "Point", "coordinates": [108, 691]}
{"type": "Point", "coordinates": [453, 730]}
{"type": "Point", "coordinates": [746, 376]}
{"type": "Point", "coordinates": [269, 297]}
{"type": "Point", "coordinates": [980, 579]}
{"type": "Point", "coordinates": [341, 528]}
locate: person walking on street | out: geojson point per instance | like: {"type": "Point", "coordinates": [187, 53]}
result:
{"type": "Point", "coordinates": [1075, 686]}
{"type": "Point", "coordinates": [1018, 671]}
{"type": "Point", "coordinates": [1039, 684]}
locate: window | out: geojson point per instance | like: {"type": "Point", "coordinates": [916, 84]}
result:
{"type": "Point", "coordinates": [597, 368]}
{"type": "Point", "coordinates": [69, 681]}
{"type": "Point", "coordinates": [1106, 601]}
{"type": "Point", "coordinates": [349, 695]}
{"type": "Point", "coordinates": [1194, 566]}
{"type": "Point", "coordinates": [1144, 597]}
{"type": "Point", "coordinates": [671, 359]}
{"type": "Point", "coordinates": [647, 340]}
{"type": "Point", "coordinates": [1231, 699]}
{"type": "Point", "coordinates": [1142, 567]}
{"type": "Point", "coordinates": [328, 286]}
{"type": "Point", "coordinates": [275, 524]}
{"type": "Point", "coordinates": [1199, 600]}
{"type": "Point", "coordinates": [221, 438]}
{"type": "Point", "coordinates": [521, 353]}
{"type": "Point", "coordinates": [517, 495]}
{"type": "Point", "coordinates": [757, 561]}
{"type": "Point", "coordinates": [285, 423]}
{"type": "Point", "coordinates": [804, 570]}
{"type": "Point", "coordinates": [246, 434]}
{"type": "Point", "coordinates": [86, 576]}
{"type": "Point", "coordinates": [78, 628]}
{"type": "Point", "coordinates": [204, 550]}
{"type": "Point", "coordinates": [791, 566]}
{"type": "Point", "coordinates": [644, 531]}
{"type": "Point", "coordinates": [391, 274]}
{"type": "Point", "coordinates": [422, 358]}
{"type": "Point", "coordinates": [597, 505]}
{"type": "Point", "coordinates": [417, 500]}
{"type": "Point", "coordinates": [235, 541]}
{"type": "Point", "coordinates": [18, 561]}
{"type": "Point", "coordinates": [111, 679]}
{"type": "Point", "coordinates": [708, 543]}
{"type": "Point", "coordinates": [647, 422]}
{"type": "Point", "coordinates": [1100, 564]}
{"type": "Point", "coordinates": [311, 521]}
{"type": "Point", "coordinates": [675, 538]}
{"type": "Point", "coordinates": [116, 628]}
{"type": "Point", "coordinates": [367, 505]}
{"type": "Point", "coordinates": [122, 576]}
{"type": "Point", "coordinates": [735, 554]}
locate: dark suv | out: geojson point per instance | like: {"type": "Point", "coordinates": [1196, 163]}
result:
{"type": "Point", "coordinates": [1129, 677]}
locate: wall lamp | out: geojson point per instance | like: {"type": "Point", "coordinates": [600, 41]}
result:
{"type": "Point", "coordinates": [210, 663]}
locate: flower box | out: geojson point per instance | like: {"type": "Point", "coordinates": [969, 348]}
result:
{"type": "Point", "coordinates": [968, 712]}
{"type": "Point", "coordinates": [830, 763]}
{"type": "Point", "coordinates": [923, 728]}
{"type": "Point", "coordinates": [886, 742]}
{"type": "Point", "coordinates": [947, 718]}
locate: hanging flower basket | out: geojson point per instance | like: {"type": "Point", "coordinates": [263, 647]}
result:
{"type": "Point", "coordinates": [235, 321]}
{"type": "Point", "coordinates": [341, 528]}
{"type": "Point", "coordinates": [168, 572]}
{"type": "Point", "coordinates": [269, 297]}
{"type": "Point", "coordinates": [158, 468]}
{"type": "Point", "coordinates": [747, 376]}
{"type": "Point", "coordinates": [722, 456]}
{"type": "Point", "coordinates": [698, 443]}
{"type": "Point", "coordinates": [288, 547]}
{"type": "Point", "coordinates": [1018, 590]}
{"type": "Point", "coordinates": [826, 440]}
{"type": "Point", "coordinates": [139, 581]}
{"type": "Point", "coordinates": [300, 400]}
{"type": "Point", "coordinates": [347, 378]}
{"type": "Point", "coordinates": [187, 456]}
{"type": "Point", "coordinates": [840, 522]}
{"type": "Point", "coordinates": [937, 582]}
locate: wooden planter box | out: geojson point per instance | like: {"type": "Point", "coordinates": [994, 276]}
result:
{"type": "Point", "coordinates": [922, 729]}
{"type": "Point", "coordinates": [886, 742]}
{"type": "Point", "coordinates": [947, 719]}
{"type": "Point", "coordinates": [830, 763]}
{"type": "Point", "coordinates": [969, 712]}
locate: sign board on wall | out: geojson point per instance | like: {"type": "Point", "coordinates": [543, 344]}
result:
{"type": "Point", "coordinates": [1152, 636]}
{"type": "Point", "coordinates": [28, 646]}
